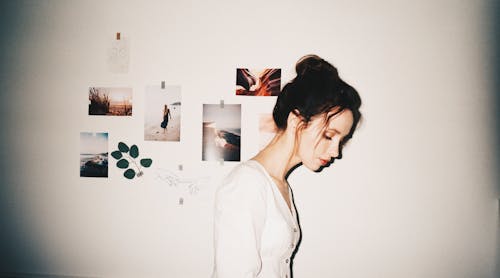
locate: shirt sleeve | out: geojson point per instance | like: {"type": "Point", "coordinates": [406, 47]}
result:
{"type": "Point", "coordinates": [239, 217]}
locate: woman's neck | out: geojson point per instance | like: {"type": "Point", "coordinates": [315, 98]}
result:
{"type": "Point", "coordinates": [278, 157]}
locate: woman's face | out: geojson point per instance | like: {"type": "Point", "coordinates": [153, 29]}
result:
{"type": "Point", "coordinates": [319, 142]}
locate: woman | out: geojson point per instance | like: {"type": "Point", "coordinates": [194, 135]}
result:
{"type": "Point", "coordinates": [255, 222]}
{"type": "Point", "coordinates": [166, 116]}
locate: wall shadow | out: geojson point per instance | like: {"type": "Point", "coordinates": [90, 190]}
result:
{"type": "Point", "coordinates": [18, 249]}
{"type": "Point", "coordinates": [494, 18]}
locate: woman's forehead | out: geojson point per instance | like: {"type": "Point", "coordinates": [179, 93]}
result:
{"type": "Point", "coordinates": [340, 122]}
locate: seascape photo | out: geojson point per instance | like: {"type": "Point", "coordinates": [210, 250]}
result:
{"type": "Point", "coordinates": [93, 154]}
{"type": "Point", "coordinates": [267, 129]}
{"type": "Point", "coordinates": [221, 132]}
{"type": "Point", "coordinates": [162, 119]}
{"type": "Point", "coordinates": [110, 101]}
{"type": "Point", "coordinates": [258, 82]}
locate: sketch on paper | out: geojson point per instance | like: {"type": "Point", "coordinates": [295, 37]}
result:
{"type": "Point", "coordinates": [221, 132]}
{"type": "Point", "coordinates": [110, 101]}
{"type": "Point", "coordinates": [254, 82]}
{"type": "Point", "coordinates": [180, 180]}
{"type": "Point", "coordinates": [162, 119]}
{"type": "Point", "coordinates": [118, 56]}
{"type": "Point", "coordinates": [93, 154]}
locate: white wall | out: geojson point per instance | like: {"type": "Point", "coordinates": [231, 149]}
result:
{"type": "Point", "coordinates": [414, 195]}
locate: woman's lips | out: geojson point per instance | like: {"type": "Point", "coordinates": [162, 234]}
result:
{"type": "Point", "coordinates": [324, 162]}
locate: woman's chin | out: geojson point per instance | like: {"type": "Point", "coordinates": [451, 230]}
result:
{"type": "Point", "coordinates": [315, 167]}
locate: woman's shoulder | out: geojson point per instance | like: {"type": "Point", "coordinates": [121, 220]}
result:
{"type": "Point", "coordinates": [246, 177]}
{"type": "Point", "coordinates": [249, 171]}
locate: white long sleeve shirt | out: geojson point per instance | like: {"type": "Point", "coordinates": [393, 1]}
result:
{"type": "Point", "coordinates": [255, 233]}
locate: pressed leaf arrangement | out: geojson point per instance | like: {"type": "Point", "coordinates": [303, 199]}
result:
{"type": "Point", "coordinates": [126, 157]}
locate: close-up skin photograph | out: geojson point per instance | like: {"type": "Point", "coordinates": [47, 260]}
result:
{"type": "Point", "coordinates": [183, 139]}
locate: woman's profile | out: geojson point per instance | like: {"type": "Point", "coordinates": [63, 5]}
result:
{"type": "Point", "coordinates": [255, 221]}
{"type": "Point", "coordinates": [166, 116]}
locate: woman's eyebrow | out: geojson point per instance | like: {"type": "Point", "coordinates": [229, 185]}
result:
{"type": "Point", "coordinates": [336, 131]}
{"type": "Point", "coordinates": [333, 130]}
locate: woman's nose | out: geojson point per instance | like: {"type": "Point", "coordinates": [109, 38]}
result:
{"type": "Point", "coordinates": [334, 150]}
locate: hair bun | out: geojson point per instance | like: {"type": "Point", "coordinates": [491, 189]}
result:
{"type": "Point", "coordinates": [314, 64]}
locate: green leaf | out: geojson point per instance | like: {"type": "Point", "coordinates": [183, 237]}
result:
{"type": "Point", "coordinates": [134, 151]}
{"type": "Point", "coordinates": [129, 174]}
{"type": "Point", "coordinates": [122, 163]}
{"type": "Point", "coordinates": [116, 154]}
{"type": "Point", "coordinates": [123, 147]}
{"type": "Point", "coordinates": [146, 162]}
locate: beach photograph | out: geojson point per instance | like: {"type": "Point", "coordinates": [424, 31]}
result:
{"type": "Point", "coordinates": [93, 154]}
{"type": "Point", "coordinates": [221, 132]}
{"type": "Point", "coordinates": [258, 82]}
{"type": "Point", "coordinates": [162, 114]}
{"type": "Point", "coordinates": [110, 101]}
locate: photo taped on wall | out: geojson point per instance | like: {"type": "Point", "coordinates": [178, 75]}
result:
{"type": "Point", "coordinates": [221, 132]}
{"type": "Point", "coordinates": [110, 101]}
{"type": "Point", "coordinates": [94, 154]}
{"type": "Point", "coordinates": [162, 115]}
{"type": "Point", "coordinates": [258, 82]}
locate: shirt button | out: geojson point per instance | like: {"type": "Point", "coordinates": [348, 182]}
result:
{"type": "Point", "coordinates": [292, 245]}
{"type": "Point", "coordinates": [294, 230]}
{"type": "Point", "coordinates": [286, 261]}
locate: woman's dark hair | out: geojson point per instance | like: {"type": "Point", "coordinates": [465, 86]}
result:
{"type": "Point", "coordinates": [316, 89]}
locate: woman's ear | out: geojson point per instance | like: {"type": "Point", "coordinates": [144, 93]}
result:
{"type": "Point", "coordinates": [294, 119]}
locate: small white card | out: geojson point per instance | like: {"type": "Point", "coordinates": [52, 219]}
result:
{"type": "Point", "coordinates": [119, 56]}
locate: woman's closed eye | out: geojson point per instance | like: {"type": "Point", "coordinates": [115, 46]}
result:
{"type": "Point", "coordinates": [329, 135]}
